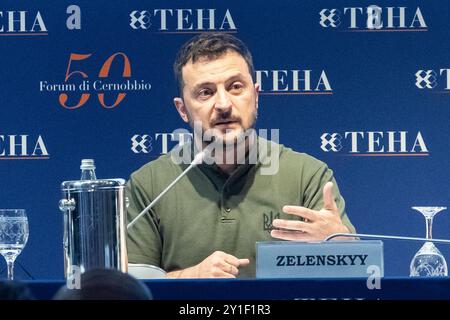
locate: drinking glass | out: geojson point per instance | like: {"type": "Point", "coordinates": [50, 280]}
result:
{"type": "Point", "coordinates": [428, 261]}
{"type": "Point", "coordinates": [13, 236]}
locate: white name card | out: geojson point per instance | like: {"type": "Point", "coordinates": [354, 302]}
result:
{"type": "Point", "coordinates": [330, 259]}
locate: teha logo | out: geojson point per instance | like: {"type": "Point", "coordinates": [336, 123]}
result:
{"type": "Point", "coordinates": [286, 82]}
{"type": "Point", "coordinates": [22, 147]}
{"type": "Point", "coordinates": [140, 19]}
{"type": "Point", "coordinates": [426, 79]}
{"type": "Point", "coordinates": [160, 143]}
{"type": "Point", "coordinates": [375, 143]}
{"type": "Point", "coordinates": [330, 18]}
{"type": "Point", "coordinates": [182, 20]}
{"type": "Point", "coordinates": [438, 79]}
{"type": "Point", "coordinates": [22, 23]}
{"type": "Point", "coordinates": [141, 143]}
{"type": "Point", "coordinates": [331, 142]}
{"type": "Point", "coordinates": [373, 18]}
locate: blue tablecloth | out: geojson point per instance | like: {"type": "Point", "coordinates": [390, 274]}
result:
{"type": "Point", "coordinates": [280, 289]}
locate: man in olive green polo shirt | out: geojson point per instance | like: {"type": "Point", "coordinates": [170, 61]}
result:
{"type": "Point", "coordinates": [209, 223]}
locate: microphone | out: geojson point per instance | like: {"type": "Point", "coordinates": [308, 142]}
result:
{"type": "Point", "coordinates": [378, 236]}
{"type": "Point", "coordinates": [197, 160]}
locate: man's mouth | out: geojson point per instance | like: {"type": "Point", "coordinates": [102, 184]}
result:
{"type": "Point", "coordinates": [224, 123]}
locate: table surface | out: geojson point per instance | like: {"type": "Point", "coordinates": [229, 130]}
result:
{"type": "Point", "coordinates": [398, 288]}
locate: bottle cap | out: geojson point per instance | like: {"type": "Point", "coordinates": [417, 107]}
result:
{"type": "Point", "coordinates": [87, 164]}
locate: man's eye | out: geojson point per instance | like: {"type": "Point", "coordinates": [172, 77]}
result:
{"type": "Point", "coordinates": [205, 93]}
{"type": "Point", "coordinates": [236, 87]}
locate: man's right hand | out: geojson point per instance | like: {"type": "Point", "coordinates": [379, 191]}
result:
{"type": "Point", "coordinates": [218, 265]}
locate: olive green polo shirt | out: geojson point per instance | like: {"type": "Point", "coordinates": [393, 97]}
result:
{"type": "Point", "coordinates": [208, 210]}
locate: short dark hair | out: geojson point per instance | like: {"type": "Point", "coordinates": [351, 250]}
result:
{"type": "Point", "coordinates": [105, 284]}
{"type": "Point", "coordinates": [211, 46]}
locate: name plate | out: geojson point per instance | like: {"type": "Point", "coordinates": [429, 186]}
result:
{"type": "Point", "coordinates": [329, 259]}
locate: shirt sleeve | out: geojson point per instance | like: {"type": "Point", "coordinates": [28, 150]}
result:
{"type": "Point", "coordinates": [144, 244]}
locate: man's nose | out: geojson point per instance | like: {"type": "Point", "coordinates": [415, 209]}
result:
{"type": "Point", "coordinates": [223, 101]}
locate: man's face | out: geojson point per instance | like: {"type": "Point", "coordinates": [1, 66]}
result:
{"type": "Point", "coordinates": [219, 93]}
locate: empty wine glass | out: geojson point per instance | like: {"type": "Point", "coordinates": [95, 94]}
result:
{"type": "Point", "coordinates": [428, 261]}
{"type": "Point", "coordinates": [13, 236]}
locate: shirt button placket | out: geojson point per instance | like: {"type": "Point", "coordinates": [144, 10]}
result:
{"type": "Point", "coordinates": [225, 208]}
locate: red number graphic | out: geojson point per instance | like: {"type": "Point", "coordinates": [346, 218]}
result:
{"type": "Point", "coordinates": [104, 73]}
{"type": "Point", "coordinates": [85, 96]}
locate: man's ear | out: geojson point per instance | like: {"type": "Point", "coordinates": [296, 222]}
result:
{"type": "Point", "coordinates": [181, 108]}
{"type": "Point", "coordinates": [257, 88]}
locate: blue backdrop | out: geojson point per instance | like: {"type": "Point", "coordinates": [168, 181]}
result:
{"type": "Point", "coordinates": [362, 88]}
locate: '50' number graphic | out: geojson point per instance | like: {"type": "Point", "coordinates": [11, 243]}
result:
{"type": "Point", "coordinates": [104, 73]}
